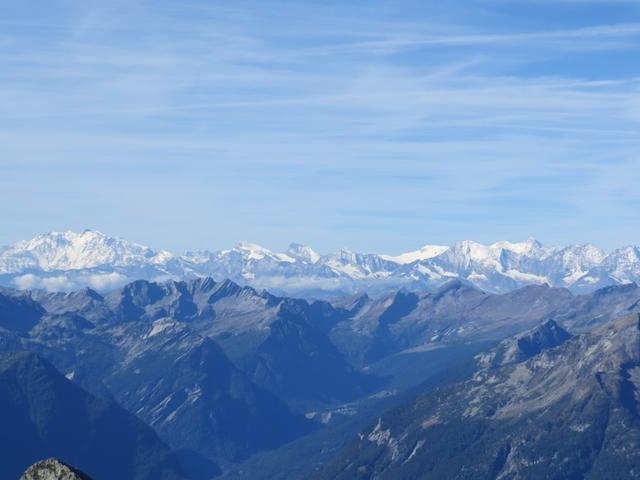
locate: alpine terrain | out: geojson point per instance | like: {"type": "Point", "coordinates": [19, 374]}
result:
{"type": "Point", "coordinates": [546, 406]}
{"type": "Point", "coordinates": [64, 261]}
{"type": "Point", "coordinates": [216, 378]}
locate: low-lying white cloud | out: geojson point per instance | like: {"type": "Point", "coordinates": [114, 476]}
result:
{"type": "Point", "coordinates": [70, 281]}
{"type": "Point", "coordinates": [55, 283]}
{"type": "Point", "coordinates": [107, 281]}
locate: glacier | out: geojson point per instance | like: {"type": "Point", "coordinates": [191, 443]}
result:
{"type": "Point", "coordinates": [65, 261]}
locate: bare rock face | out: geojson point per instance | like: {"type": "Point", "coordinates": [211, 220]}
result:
{"type": "Point", "coordinates": [53, 469]}
{"type": "Point", "coordinates": [569, 412]}
{"type": "Point", "coordinates": [525, 345]}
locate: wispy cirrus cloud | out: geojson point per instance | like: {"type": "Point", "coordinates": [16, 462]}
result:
{"type": "Point", "coordinates": [279, 124]}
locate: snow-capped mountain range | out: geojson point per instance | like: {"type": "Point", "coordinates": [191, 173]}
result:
{"type": "Point", "coordinates": [69, 260]}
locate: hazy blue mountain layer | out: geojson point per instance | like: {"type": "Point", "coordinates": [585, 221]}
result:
{"type": "Point", "coordinates": [43, 414]}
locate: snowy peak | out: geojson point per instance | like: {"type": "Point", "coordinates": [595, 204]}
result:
{"type": "Point", "coordinates": [521, 248]}
{"type": "Point", "coordinates": [74, 251]}
{"type": "Point", "coordinates": [625, 256]}
{"type": "Point", "coordinates": [253, 251]}
{"type": "Point", "coordinates": [71, 260]}
{"type": "Point", "coordinates": [303, 253]}
{"type": "Point", "coordinates": [481, 253]}
{"type": "Point", "coordinates": [425, 253]}
{"type": "Point", "coordinates": [467, 254]}
{"type": "Point", "coordinates": [582, 255]}
{"type": "Point", "coordinates": [473, 250]}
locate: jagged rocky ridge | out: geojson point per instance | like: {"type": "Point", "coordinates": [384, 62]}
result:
{"type": "Point", "coordinates": [442, 359]}
{"type": "Point", "coordinates": [68, 260]}
{"type": "Point", "coordinates": [178, 381]}
{"type": "Point", "coordinates": [567, 412]}
{"type": "Point", "coordinates": [53, 469]}
{"type": "Point", "coordinates": [215, 368]}
{"type": "Point", "coordinates": [525, 345]}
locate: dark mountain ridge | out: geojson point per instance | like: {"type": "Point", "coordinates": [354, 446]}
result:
{"type": "Point", "coordinates": [213, 366]}
{"type": "Point", "coordinates": [43, 414]}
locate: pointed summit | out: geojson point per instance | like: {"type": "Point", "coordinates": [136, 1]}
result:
{"type": "Point", "coordinates": [303, 252]}
{"type": "Point", "coordinates": [527, 247]}
{"type": "Point", "coordinates": [525, 345]}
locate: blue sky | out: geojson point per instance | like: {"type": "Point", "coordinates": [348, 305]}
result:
{"type": "Point", "coordinates": [373, 125]}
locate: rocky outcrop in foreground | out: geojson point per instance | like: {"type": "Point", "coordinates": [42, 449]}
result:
{"type": "Point", "coordinates": [53, 469]}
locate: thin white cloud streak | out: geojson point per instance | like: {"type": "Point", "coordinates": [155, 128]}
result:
{"type": "Point", "coordinates": [374, 89]}
{"type": "Point", "coordinates": [553, 38]}
{"type": "Point", "coordinates": [237, 108]}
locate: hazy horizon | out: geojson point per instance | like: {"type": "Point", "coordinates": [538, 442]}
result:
{"type": "Point", "coordinates": [284, 246]}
